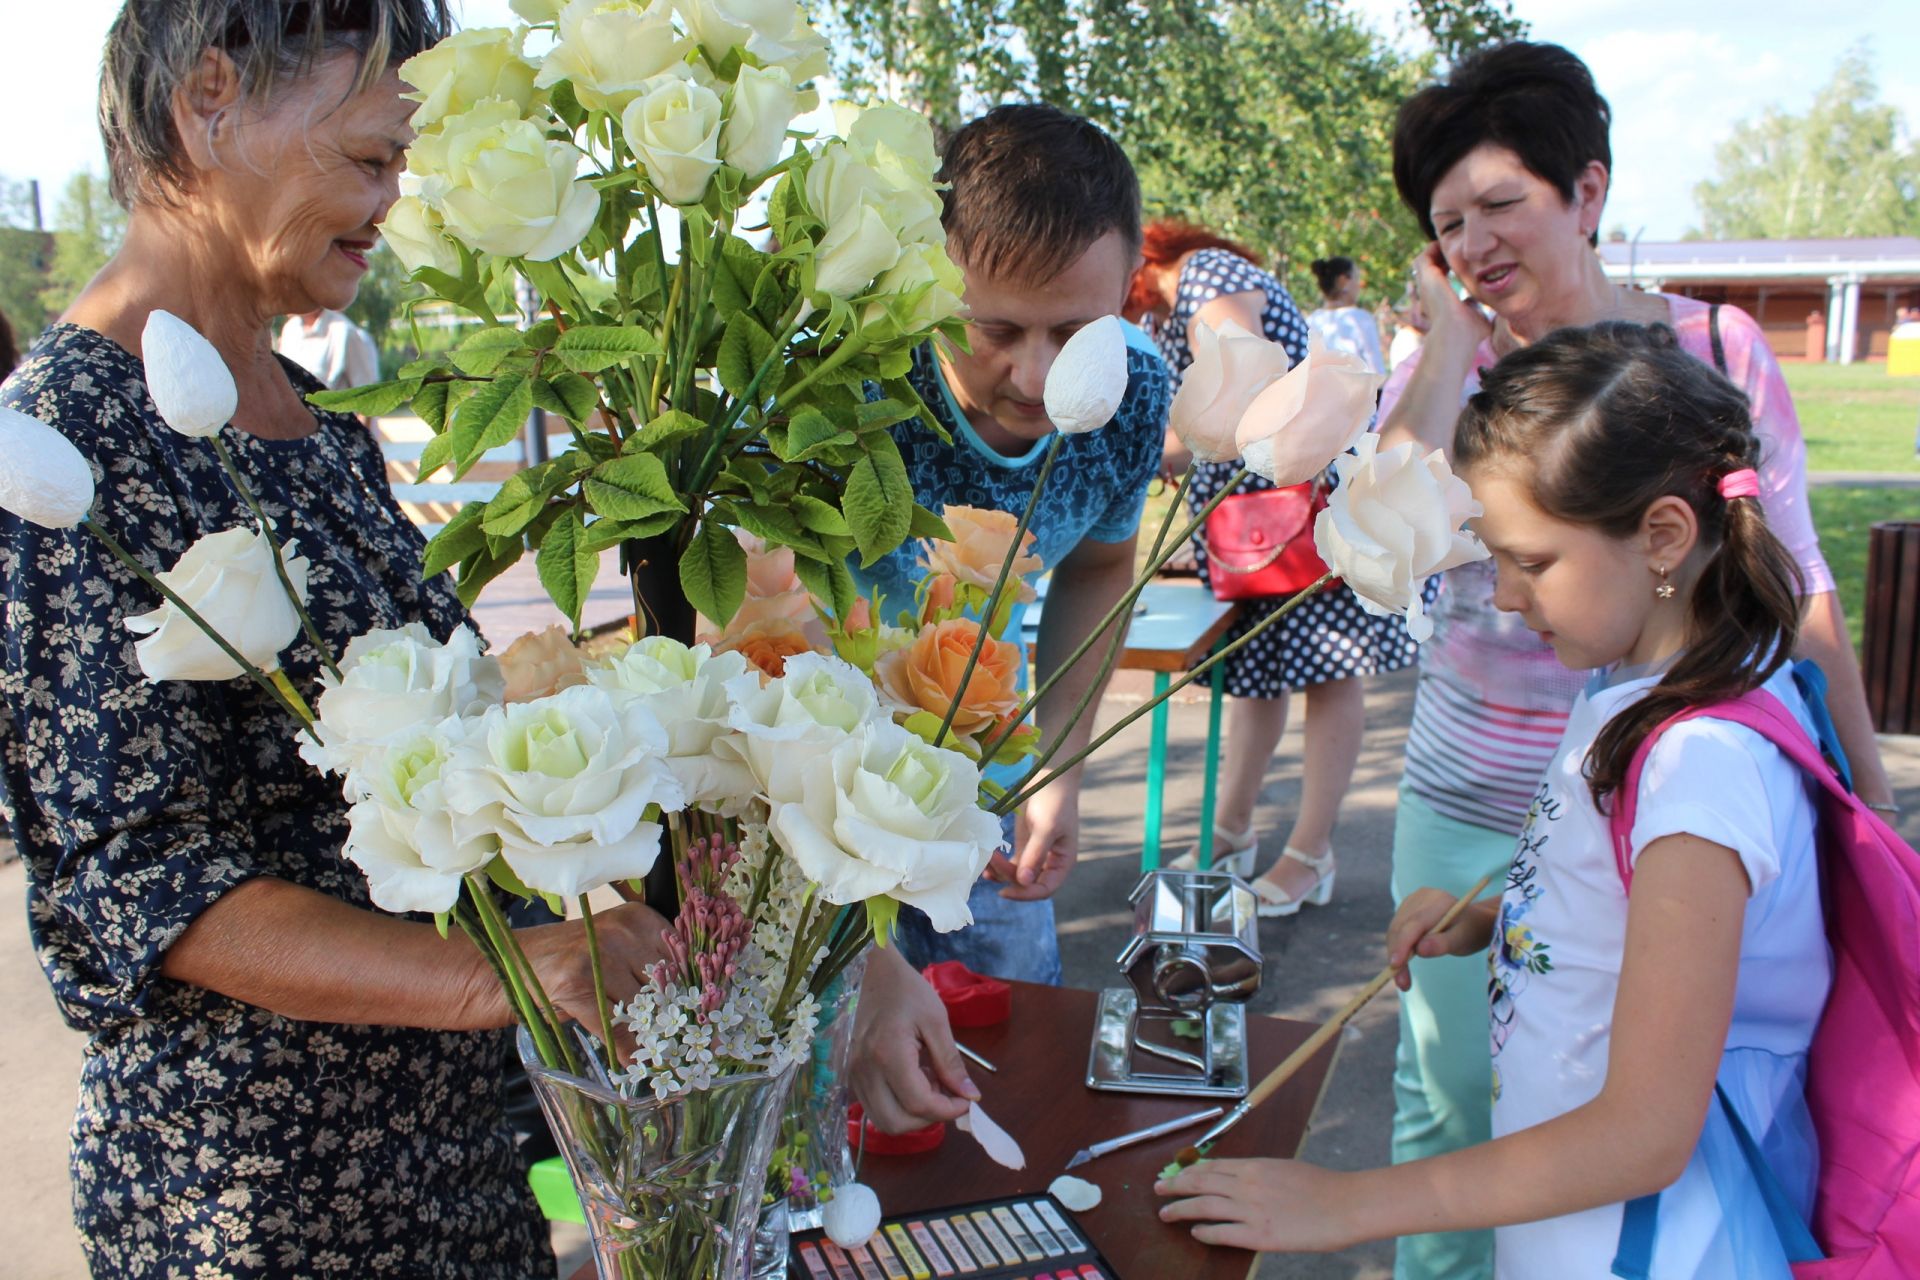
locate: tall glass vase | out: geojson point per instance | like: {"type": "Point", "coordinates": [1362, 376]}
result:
{"type": "Point", "coordinates": [813, 1156]}
{"type": "Point", "coordinates": [671, 1187]}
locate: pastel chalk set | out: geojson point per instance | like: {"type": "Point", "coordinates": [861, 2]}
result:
{"type": "Point", "coordinates": [1019, 1238]}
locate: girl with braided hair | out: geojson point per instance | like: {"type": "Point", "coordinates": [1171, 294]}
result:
{"type": "Point", "coordinates": [1618, 474]}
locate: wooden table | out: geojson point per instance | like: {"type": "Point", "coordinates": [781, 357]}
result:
{"type": "Point", "coordinates": [1175, 627]}
{"type": "Point", "coordinates": [1037, 1094]}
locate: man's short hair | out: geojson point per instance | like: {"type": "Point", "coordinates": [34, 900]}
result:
{"type": "Point", "coordinates": [1030, 188]}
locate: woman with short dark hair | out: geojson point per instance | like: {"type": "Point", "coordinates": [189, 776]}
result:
{"type": "Point", "coordinates": [279, 1080]}
{"type": "Point", "coordinates": [1506, 164]}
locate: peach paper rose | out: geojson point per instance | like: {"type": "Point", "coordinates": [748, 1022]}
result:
{"type": "Point", "coordinates": [769, 569]}
{"type": "Point", "coordinates": [1230, 368]}
{"type": "Point", "coordinates": [1317, 412]}
{"type": "Point", "coordinates": [767, 643]}
{"type": "Point", "coordinates": [979, 547]}
{"type": "Point", "coordinates": [541, 663]}
{"type": "Point", "coordinates": [924, 676]}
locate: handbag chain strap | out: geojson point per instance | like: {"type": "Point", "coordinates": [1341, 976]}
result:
{"type": "Point", "coordinates": [1215, 562]}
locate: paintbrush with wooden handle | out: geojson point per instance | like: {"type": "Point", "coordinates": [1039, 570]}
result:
{"type": "Point", "coordinates": [1318, 1040]}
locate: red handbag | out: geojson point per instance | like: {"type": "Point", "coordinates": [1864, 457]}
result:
{"type": "Point", "coordinates": [1261, 544]}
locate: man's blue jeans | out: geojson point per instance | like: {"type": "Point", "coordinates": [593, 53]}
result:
{"type": "Point", "coordinates": [1013, 940]}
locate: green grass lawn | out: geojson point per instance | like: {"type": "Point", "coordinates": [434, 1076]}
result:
{"type": "Point", "coordinates": [1855, 417]}
{"type": "Point", "coordinates": [1843, 515]}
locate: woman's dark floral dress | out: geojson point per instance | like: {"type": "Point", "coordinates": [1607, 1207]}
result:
{"type": "Point", "coordinates": [214, 1139]}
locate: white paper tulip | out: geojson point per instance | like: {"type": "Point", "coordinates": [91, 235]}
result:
{"type": "Point", "coordinates": [1312, 415]}
{"type": "Point", "coordinates": [1230, 367]}
{"type": "Point", "coordinates": [45, 479]}
{"type": "Point", "coordinates": [1393, 521]}
{"type": "Point", "coordinates": [189, 382]}
{"type": "Point", "coordinates": [1089, 378]}
{"type": "Point", "coordinates": [229, 580]}
{"type": "Point", "coordinates": [852, 1216]}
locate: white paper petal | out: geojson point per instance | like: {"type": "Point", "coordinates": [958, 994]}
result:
{"type": "Point", "coordinates": [1089, 378]}
{"type": "Point", "coordinates": [188, 380]}
{"type": "Point", "coordinates": [1077, 1194]}
{"type": "Point", "coordinates": [46, 480]}
{"type": "Point", "coordinates": [852, 1216]}
{"type": "Point", "coordinates": [995, 1141]}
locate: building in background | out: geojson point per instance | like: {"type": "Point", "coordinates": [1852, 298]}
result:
{"type": "Point", "coordinates": [1816, 299]}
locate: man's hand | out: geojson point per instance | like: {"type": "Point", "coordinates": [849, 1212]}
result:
{"type": "Point", "coordinates": [905, 1068]}
{"type": "Point", "coordinates": [1046, 843]}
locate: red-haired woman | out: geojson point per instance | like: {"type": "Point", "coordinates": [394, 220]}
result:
{"type": "Point", "coordinates": [1190, 276]}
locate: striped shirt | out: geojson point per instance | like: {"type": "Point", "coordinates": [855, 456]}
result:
{"type": "Point", "coordinates": [1492, 700]}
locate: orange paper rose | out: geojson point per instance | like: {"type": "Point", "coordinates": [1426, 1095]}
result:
{"type": "Point", "coordinates": [979, 547]}
{"type": "Point", "coordinates": [540, 663]}
{"type": "Point", "coordinates": [924, 676]}
{"type": "Point", "coordinates": [767, 643]}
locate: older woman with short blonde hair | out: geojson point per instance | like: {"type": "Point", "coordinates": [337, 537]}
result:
{"type": "Point", "coordinates": [280, 1081]}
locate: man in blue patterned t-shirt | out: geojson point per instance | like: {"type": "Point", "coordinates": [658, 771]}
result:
{"type": "Point", "coordinates": [1043, 219]}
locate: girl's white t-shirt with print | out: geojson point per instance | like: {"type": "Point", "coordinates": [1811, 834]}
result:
{"type": "Point", "coordinates": [1555, 970]}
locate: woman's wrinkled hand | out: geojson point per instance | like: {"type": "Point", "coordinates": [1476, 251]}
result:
{"type": "Point", "coordinates": [1451, 318]}
{"type": "Point", "coordinates": [630, 940]}
{"type": "Point", "coordinates": [1267, 1206]}
{"type": "Point", "coordinates": [1410, 933]}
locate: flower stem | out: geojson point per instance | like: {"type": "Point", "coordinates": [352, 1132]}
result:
{"type": "Point", "coordinates": [724, 423]}
{"type": "Point", "coordinates": [999, 587]}
{"type": "Point", "coordinates": [292, 695]}
{"type": "Point", "coordinates": [599, 985]}
{"type": "Point", "coordinates": [1027, 788]}
{"type": "Point", "coordinates": [297, 709]}
{"type": "Point", "coordinates": [480, 892]}
{"type": "Point", "coordinates": [1121, 606]}
{"type": "Point", "coordinates": [279, 561]}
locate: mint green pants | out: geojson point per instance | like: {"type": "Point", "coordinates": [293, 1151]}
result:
{"type": "Point", "coordinates": [1443, 1074]}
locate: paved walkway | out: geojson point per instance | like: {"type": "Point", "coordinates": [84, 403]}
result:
{"type": "Point", "coordinates": [1315, 961]}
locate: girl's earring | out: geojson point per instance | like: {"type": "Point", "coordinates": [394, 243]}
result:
{"type": "Point", "coordinates": [1665, 590]}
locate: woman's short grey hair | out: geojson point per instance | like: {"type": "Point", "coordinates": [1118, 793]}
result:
{"type": "Point", "coordinates": [154, 45]}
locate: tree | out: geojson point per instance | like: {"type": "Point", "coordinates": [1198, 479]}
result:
{"type": "Point", "coordinates": [25, 253]}
{"type": "Point", "coordinates": [87, 228]}
{"type": "Point", "coordinates": [1846, 168]}
{"type": "Point", "coordinates": [1269, 120]}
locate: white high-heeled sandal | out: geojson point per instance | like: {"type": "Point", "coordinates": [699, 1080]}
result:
{"type": "Point", "coordinates": [1274, 903]}
{"type": "Point", "coordinates": [1243, 853]}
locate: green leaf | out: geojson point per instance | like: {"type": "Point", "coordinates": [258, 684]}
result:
{"type": "Point", "coordinates": [503, 875]}
{"type": "Point", "coordinates": [484, 566]}
{"type": "Point", "coordinates": [811, 433]}
{"type": "Point", "coordinates": [631, 487]}
{"type": "Point", "coordinates": [437, 454]}
{"type": "Point", "coordinates": [879, 501]}
{"type": "Point", "coordinates": [820, 516]}
{"type": "Point", "coordinates": [468, 295]}
{"type": "Point", "coordinates": [745, 347]}
{"type": "Point", "coordinates": [589, 348]}
{"type": "Point", "coordinates": [460, 538]}
{"type": "Point", "coordinates": [735, 275]}
{"type": "Point", "coordinates": [925, 524]}
{"type": "Point", "coordinates": [521, 498]}
{"type": "Point", "coordinates": [566, 567]}
{"type": "Point", "coordinates": [372, 400]}
{"type": "Point", "coordinates": [787, 211]}
{"type": "Point", "coordinates": [489, 417]}
{"type": "Point", "coordinates": [483, 352]}
{"type": "Point", "coordinates": [713, 572]}
{"type": "Point", "coordinates": [771, 523]}
{"type": "Point", "coordinates": [830, 581]}
{"type": "Point", "coordinates": [883, 413]}
{"type": "Point", "coordinates": [430, 402]}
{"type": "Point", "coordinates": [604, 533]}
{"type": "Point", "coordinates": [669, 427]}
{"type": "Point", "coordinates": [569, 395]}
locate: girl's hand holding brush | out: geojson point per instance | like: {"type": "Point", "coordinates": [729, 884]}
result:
{"type": "Point", "coordinates": [1412, 932]}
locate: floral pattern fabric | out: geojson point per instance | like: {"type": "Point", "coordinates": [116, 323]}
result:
{"type": "Point", "coordinates": [214, 1139]}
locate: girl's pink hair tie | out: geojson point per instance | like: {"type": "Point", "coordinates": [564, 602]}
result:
{"type": "Point", "coordinates": [1744, 483]}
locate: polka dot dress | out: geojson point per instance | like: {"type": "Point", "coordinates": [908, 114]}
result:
{"type": "Point", "coordinates": [1330, 637]}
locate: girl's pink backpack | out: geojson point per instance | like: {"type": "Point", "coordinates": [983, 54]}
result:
{"type": "Point", "coordinates": [1863, 1079]}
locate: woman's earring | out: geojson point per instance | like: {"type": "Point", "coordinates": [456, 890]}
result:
{"type": "Point", "coordinates": [1665, 590]}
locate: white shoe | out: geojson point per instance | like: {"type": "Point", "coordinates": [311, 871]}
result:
{"type": "Point", "coordinates": [1243, 853]}
{"type": "Point", "coordinates": [1274, 903]}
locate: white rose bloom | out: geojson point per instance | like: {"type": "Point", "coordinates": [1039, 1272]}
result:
{"type": "Point", "coordinates": [403, 836]}
{"type": "Point", "coordinates": [1394, 520]}
{"type": "Point", "coordinates": [853, 252]}
{"type": "Point", "coordinates": [229, 580]}
{"type": "Point", "coordinates": [884, 813]}
{"type": "Point", "coordinates": [762, 106]}
{"type": "Point", "coordinates": [189, 382]}
{"type": "Point", "coordinates": [793, 45]}
{"type": "Point", "coordinates": [1230, 368]}
{"type": "Point", "coordinates": [46, 480]}
{"type": "Point", "coordinates": [814, 705]}
{"type": "Point", "coordinates": [610, 49]}
{"type": "Point", "coordinates": [904, 133]}
{"type": "Point", "coordinates": [724, 25]}
{"type": "Point", "coordinates": [568, 784]}
{"type": "Point", "coordinates": [508, 188]}
{"type": "Point", "coordinates": [919, 291]}
{"type": "Point", "coordinates": [465, 68]}
{"type": "Point", "coordinates": [412, 230]}
{"type": "Point", "coordinates": [1088, 379]}
{"type": "Point", "coordinates": [537, 10]}
{"type": "Point", "coordinates": [686, 689]}
{"type": "Point", "coordinates": [390, 683]}
{"type": "Point", "coordinates": [674, 130]}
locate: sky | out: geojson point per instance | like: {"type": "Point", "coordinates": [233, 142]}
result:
{"type": "Point", "coordinates": [1679, 76]}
